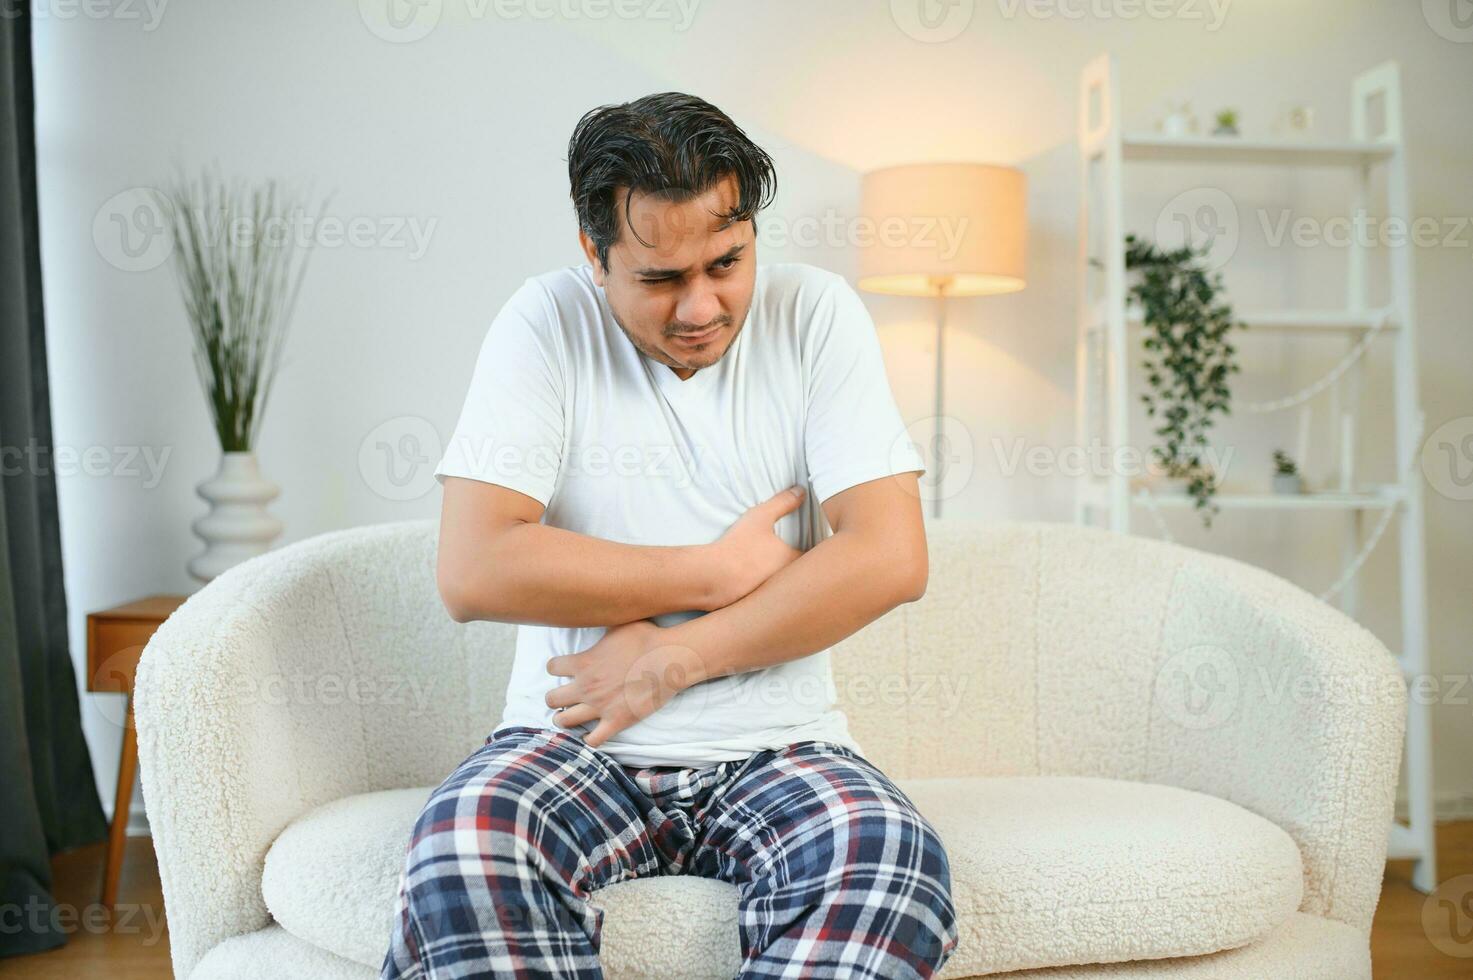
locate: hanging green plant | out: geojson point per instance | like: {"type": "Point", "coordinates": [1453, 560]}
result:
{"type": "Point", "coordinates": [1189, 357]}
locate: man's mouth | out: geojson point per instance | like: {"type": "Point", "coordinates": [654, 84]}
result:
{"type": "Point", "coordinates": [697, 339]}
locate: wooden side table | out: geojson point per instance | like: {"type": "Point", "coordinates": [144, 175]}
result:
{"type": "Point", "coordinates": [115, 640]}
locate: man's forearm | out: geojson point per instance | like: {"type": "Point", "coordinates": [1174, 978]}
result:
{"type": "Point", "coordinates": [536, 573]}
{"type": "Point", "coordinates": [839, 586]}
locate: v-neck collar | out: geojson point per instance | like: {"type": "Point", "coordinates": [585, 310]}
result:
{"type": "Point", "coordinates": [671, 383]}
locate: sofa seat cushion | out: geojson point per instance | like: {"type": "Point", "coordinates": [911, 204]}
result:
{"type": "Point", "coordinates": [1304, 947]}
{"type": "Point", "coordinates": [1046, 871]}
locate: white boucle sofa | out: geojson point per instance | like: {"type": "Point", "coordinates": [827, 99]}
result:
{"type": "Point", "coordinates": [1144, 761]}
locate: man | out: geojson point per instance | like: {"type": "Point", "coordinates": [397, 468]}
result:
{"type": "Point", "coordinates": [640, 477]}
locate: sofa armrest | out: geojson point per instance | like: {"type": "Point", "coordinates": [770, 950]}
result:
{"type": "Point", "coordinates": [209, 752]}
{"type": "Point", "coordinates": [1268, 697]}
{"type": "Point", "coordinates": [321, 670]}
{"type": "Point", "coordinates": [1060, 650]}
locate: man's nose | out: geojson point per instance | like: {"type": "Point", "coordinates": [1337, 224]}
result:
{"type": "Point", "coordinates": [699, 306]}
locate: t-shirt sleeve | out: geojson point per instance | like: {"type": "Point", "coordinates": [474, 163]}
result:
{"type": "Point", "coordinates": [853, 432]}
{"type": "Point", "coordinates": [510, 430]}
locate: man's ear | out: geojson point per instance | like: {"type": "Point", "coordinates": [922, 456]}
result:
{"type": "Point", "coordinates": [586, 243]}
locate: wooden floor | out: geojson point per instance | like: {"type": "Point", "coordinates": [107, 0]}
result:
{"type": "Point", "coordinates": [136, 947]}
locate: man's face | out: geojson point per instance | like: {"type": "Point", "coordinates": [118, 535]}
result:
{"type": "Point", "coordinates": [682, 298]}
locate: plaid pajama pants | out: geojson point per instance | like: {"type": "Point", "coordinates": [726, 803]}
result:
{"type": "Point", "coordinates": [838, 874]}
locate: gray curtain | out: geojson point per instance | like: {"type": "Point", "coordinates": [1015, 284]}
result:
{"type": "Point", "coordinates": [48, 800]}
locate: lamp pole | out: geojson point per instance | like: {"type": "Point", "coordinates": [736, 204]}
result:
{"type": "Point", "coordinates": [940, 284]}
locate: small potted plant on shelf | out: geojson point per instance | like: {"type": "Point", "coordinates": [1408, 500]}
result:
{"type": "Point", "coordinates": [1227, 123]}
{"type": "Point", "coordinates": [1286, 474]}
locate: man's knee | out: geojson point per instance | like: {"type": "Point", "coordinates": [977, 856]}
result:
{"type": "Point", "coordinates": [894, 857]}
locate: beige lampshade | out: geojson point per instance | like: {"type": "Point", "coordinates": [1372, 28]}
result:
{"type": "Point", "coordinates": [957, 228]}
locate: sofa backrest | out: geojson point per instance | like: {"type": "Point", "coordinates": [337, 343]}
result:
{"type": "Point", "coordinates": [1038, 649]}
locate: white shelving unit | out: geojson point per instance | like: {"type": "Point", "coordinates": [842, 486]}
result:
{"type": "Point", "coordinates": [1107, 338]}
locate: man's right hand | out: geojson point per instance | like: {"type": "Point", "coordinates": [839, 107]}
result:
{"type": "Point", "coordinates": [750, 552]}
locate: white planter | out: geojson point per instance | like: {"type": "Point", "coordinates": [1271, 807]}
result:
{"type": "Point", "coordinates": [237, 526]}
{"type": "Point", "coordinates": [1287, 483]}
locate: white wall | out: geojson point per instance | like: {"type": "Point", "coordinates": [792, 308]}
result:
{"type": "Point", "coordinates": [461, 134]}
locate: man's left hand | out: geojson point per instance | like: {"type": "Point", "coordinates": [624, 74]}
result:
{"type": "Point", "coordinates": [626, 676]}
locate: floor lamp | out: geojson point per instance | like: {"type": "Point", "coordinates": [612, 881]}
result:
{"type": "Point", "coordinates": [943, 230]}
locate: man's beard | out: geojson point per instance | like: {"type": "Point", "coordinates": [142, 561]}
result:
{"type": "Point", "coordinates": [655, 354]}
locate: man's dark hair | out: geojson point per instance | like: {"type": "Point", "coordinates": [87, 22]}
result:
{"type": "Point", "coordinates": [669, 143]}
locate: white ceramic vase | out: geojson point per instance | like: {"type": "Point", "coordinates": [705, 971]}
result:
{"type": "Point", "coordinates": [237, 526]}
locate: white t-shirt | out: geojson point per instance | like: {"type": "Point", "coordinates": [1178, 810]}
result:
{"type": "Point", "coordinates": [563, 408]}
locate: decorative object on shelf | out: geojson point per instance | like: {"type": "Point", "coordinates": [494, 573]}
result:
{"type": "Point", "coordinates": [1227, 123]}
{"type": "Point", "coordinates": [1189, 357]}
{"type": "Point", "coordinates": [1295, 121]}
{"type": "Point", "coordinates": [1286, 474]}
{"type": "Point", "coordinates": [1301, 443]}
{"type": "Point", "coordinates": [1347, 452]}
{"type": "Point", "coordinates": [987, 206]}
{"type": "Point", "coordinates": [239, 275]}
{"type": "Point", "coordinates": [1179, 120]}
